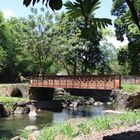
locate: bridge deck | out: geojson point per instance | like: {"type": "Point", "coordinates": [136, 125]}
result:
{"type": "Point", "coordinates": [105, 82]}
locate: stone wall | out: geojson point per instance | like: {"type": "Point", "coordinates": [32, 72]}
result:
{"type": "Point", "coordinates": [34, 93]}
{"type": "Point", "coordinates": [15, 90]}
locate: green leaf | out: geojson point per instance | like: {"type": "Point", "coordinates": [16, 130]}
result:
{"type": "Point", "coordinates": [101, 22]}
{"type": "Point", "coordinates": [34, 1]}
{"type": "Point", "coordinates": [26, 2]}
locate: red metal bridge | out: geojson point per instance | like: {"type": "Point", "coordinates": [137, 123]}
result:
{"type": "Point", "coordinates": [105, 82]}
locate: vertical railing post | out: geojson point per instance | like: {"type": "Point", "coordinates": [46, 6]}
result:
{"type": "Point", "coordinates": [59, 82]}
{"type": "Point", "coordinates": [119, 81]}
{"type": "Point", "coordinates": [87, 82]}
{"type": "Point", "coordinates": [114, 81]}
{"type": "Point", "coordinates": [79, 82]}
{"type": "Point", "coordinates": [42, 81]}
{"type": "Point", "coordinates": [66, 82]}
{"type": "Point", "coordinates": [72, 82]}
{"type": "Point", "coordinates": [31, 81]}
{"type": "Point", "coordinates": [37, 82]}
{"type": "Point", "coordinates": [96, 81]}
{"type": "Point", "coordinates": [48, 81]}
{"type": "Point", "coordinates": [105, 82]}
{"type": "Point", "coordinates": [53, 82]}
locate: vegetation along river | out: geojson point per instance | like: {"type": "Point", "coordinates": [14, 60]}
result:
{"type": "Point", "coordinates": [10, 126]}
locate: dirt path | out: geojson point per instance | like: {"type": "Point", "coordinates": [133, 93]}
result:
{"type": "Point", "coordinates": [122, 133]}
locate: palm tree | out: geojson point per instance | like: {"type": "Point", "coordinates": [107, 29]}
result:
{"type": "Point", "coordinates": [86, 9]}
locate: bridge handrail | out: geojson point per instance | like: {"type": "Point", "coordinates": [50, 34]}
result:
{"type": "Point", "coordinates": [131, 79]}
{"type": "Point", "coordinates": [79, 81]}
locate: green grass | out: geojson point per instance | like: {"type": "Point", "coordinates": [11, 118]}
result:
{"type": "Point", "coordinates": [9, 101]}
{"type": "Point", "coordinates": [67, 97]}
{"type": "Point", "coordinates": [129, 118]}
{"type": "Point", "coordinates": [49, 133]}
{"type": "Point", "coordinates": [24, 133]}
{"type": "Point", "coordinates": [131, 87]}
{"type": "Point", "coordinates": [103, 123]}
{"type": "Point", "coordinates": [86, 127]}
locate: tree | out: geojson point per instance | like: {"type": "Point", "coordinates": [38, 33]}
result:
{"type": "Point", "coordinates": [37, 39]}
{"type": "Point", "coordinates": [6, 50]}
{"type": "Point", "coordinates": [76, 9]}
{"type": "Point", "coordinates": [90, 27]}
{"type": "Point", "coordinates": [134, 57]}
{"type": "Point", "coordinates": [122, 57]}
{"type": "Point", "coordinates": [2, 42]}
{"type": "Point", "coordinates": [26, 46]}
{"type": "Point", "coordinates": [128, 19]}
{"type": "Point", "coordinates": [65, 42]}
{"type": "Point", "coordinates": [109, 52]}
{"type": "Point", "coordinates": [86, 9]}
{"type": "Point", "coordinates": [77, 54]}
{"type": "Point", "coordinates": [22, 60]}
{"type": "Point", "coordinates": [118, 4]}
{"type": "Point", "coordinates": [129, 58]}
{"type": "Point", "coordinates": [128, 22]}
{"type": "Point", "coordinates": [120, 7]}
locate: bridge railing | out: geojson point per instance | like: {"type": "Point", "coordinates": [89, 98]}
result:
{"type": "Point", "coordinates": [83, 82]}
{"type": "Point", "coordinates": [131, 79]}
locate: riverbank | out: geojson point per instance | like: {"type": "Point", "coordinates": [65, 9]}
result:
{"type": "Point", "coordinates": [87, 128]}
{"type": "Point", "coordinates": [98, 128]}
{"type": "Point", "coordinates": [118, 133]}
{"type": "Point", "coordinates": [19, 118]}
{"type": "Point", "coordinates": [14, 105]}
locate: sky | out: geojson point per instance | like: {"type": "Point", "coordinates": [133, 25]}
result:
{"type": "Point", "coordinates": [16, 8]}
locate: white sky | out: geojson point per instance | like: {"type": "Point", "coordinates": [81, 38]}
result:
{"type": "Point", "coordinates": [115, 42]}
{"type": "Point", "coordinates": [8, 13]}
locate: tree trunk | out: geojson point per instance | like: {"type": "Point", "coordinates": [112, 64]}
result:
{"type": "Point", "coordinates": [134, 13]}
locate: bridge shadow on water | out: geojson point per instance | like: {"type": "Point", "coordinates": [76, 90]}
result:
{"type": "Point", "coordinates": [57, 110]}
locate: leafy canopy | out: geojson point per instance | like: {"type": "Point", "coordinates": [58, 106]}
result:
{"type": "Point", "coordinates": [53, 4]}
{"type": "Point", "coordinates": [128, 19]}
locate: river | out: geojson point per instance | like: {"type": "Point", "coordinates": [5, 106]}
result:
{"type": "Point", "coordinates": [10, 126]}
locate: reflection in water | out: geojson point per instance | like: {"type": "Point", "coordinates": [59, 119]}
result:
{"type": "Point", "coordinates": [6, 133]}
{"type": "Point", "coordinates": [11, 125]}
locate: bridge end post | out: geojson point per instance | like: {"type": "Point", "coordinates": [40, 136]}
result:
{"type": "Point", "coordinates": [118, 81]}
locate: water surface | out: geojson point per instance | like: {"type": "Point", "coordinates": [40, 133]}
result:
{"type": "Point", "coordinates": [10, 126]}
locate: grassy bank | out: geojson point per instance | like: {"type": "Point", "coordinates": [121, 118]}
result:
{"type": "Point", "coordinates": [88, 125]}
{"type": "Point", "coordinates": [131, 87]}
{"type": "Point", "coordinates": [9, 101]}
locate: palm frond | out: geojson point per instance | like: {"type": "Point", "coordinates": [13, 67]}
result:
{"type": "Point", "coordinates": [79, 8]}
{"type": "Point", "coordinates": [73, 9]}
{"type": "Point", "coordinates": [101, 22]}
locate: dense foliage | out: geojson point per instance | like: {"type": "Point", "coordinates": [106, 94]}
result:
{"type": "Point", "coordinates": [44, 44]}
{"type": "Point", "coordinates": [129, 58]}
{"type": "Point", "coordinates": [70, 43]}
{"type": "Point", "coordinates": [128, 23]}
